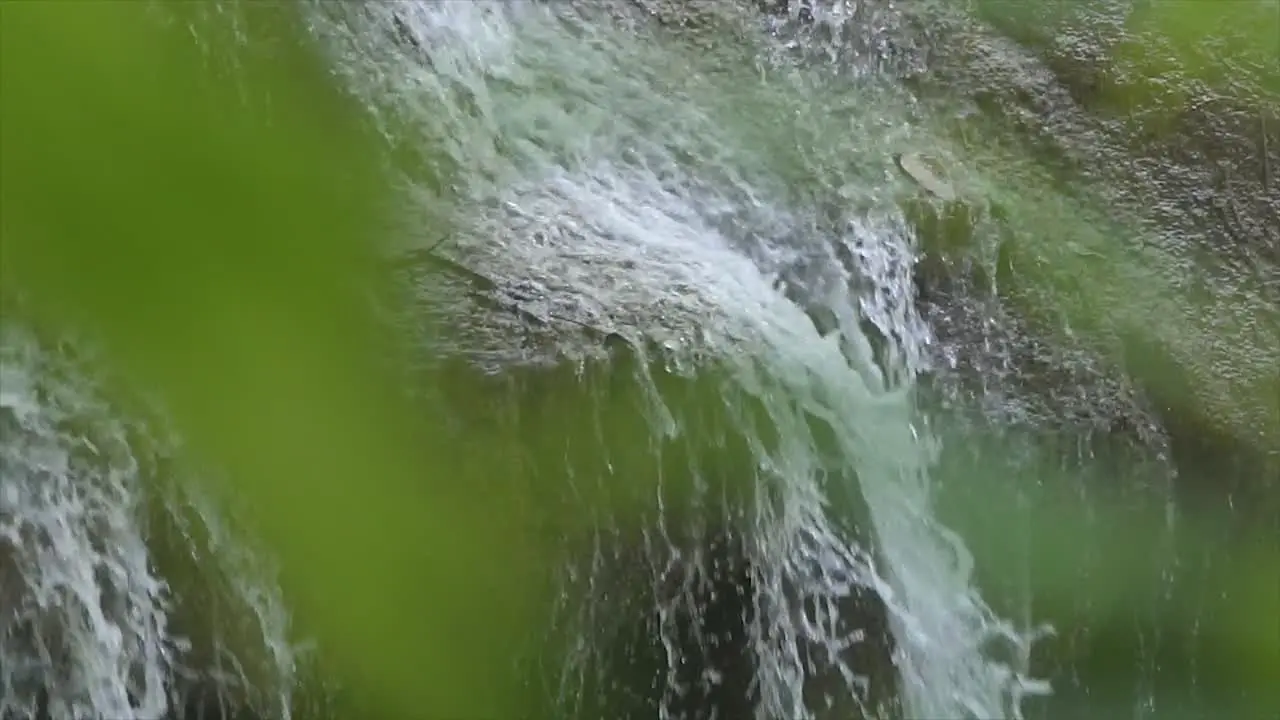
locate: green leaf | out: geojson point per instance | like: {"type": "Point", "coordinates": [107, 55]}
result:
{"type": "Point", "coordinates": [216, 230]}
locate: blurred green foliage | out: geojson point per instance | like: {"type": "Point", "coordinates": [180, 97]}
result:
{"type": "Point", "coordinates": [1077, 531]}
{"type": "Point", "coordinates": [215, 230]}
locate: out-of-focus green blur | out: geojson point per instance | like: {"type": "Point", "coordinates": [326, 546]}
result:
{"type": "Point", "coordinates": [215, 231]}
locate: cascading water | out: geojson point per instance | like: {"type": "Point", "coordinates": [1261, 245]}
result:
{"type": "Point", "coordinates": [599, 189]}
{"type": "Point", "coordinates": [85, 618]}
{"type": "Point", "coordinates": [91, 510]}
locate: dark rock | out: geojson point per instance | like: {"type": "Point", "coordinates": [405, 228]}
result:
{"type": "Point", "coordinates": [706, 601]}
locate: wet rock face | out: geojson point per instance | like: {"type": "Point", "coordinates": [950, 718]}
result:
{"type": "Point", "coordinates": [712, 671]}
{"type": "Point", "coordinates": [1116, 108]}
{"type": "Point", "coordinates": [849, 37]}
{"type": "Point", "coordinates": [1188, 155]}
{"type": "Point", "coordinates": [1144, 95]}
{"type": "Point", "coordinates": [983, 348]}
{"type": "Point", "coordinates": [687, 14]}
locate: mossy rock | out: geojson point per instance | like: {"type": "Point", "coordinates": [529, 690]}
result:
{"type": "Point", "coordinates": [1085, 276]}
{"type": "Point", "coordinates": [949, 226]}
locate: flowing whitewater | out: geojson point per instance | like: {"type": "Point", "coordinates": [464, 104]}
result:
{"type": "Point", "coordinates": [91, 504]}
{"type": "Point", "coordinates": [598, 181]}
{"type": "Point", "coordinates": [69, 529]}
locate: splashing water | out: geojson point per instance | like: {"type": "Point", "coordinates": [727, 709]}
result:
{"type": "Point", "coordinates": [85, 618]}
{"type": "Point", "coordinates": [89, 627]}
